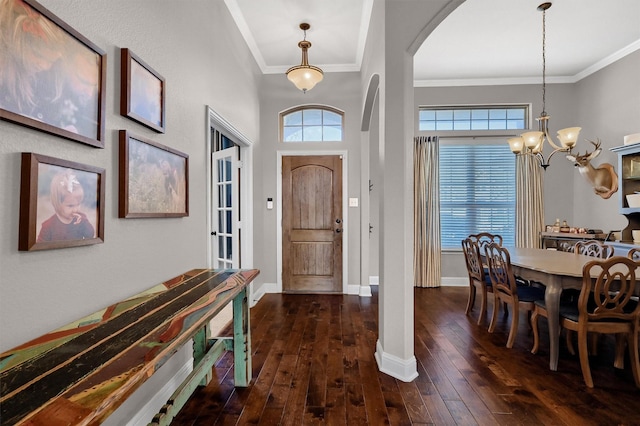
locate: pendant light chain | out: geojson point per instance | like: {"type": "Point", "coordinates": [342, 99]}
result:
{"type": "Point", "coordinates": [544, 63]}
{"type": "Point", "coordinates": [533, 142]}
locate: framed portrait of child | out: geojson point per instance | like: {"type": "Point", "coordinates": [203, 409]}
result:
{"type": "Point", "coordinates": [61, 203]}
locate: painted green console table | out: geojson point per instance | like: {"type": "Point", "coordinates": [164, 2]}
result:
{"type": "Point", "coordinates": [80, 373]}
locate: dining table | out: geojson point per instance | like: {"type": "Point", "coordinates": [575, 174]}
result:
{"type": "Point", "coordinates": [557, 271]}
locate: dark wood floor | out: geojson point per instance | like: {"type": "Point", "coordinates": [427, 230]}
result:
{"type": "Point", "coordinates": [313, 363]}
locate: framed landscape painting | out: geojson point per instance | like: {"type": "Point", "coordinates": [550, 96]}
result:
{"type": "Point", "coordinates": [142, 96]}
{"type": "Point", "coordinates": [61, 203]}
{"type": "Point", "coordinates": [53, 79]}
{"type": "Point", "coordinates": [153, 180]}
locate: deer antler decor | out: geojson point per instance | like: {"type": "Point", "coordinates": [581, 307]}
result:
{"type": "Point", "coordinates": [603, 179]}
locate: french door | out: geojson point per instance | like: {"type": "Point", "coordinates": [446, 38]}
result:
{"type": "Point", "coordinates": [225, 209]}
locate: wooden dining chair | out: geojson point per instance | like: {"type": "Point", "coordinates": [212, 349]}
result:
{"type": "Point", "coordinates": [594, 248]}
{"type": "Point", "coordinates": [478, 278]}
{"type": "Point", "coordinates": [506, 290]}
{"type": "Point", "coordinates": [634, 254]}
{"type": "Point", "coordinates": [606, 305]}
{"type": "Point", "coordinates": [485, 238]}
{"type": "Point", "coordinates": [569, 297]}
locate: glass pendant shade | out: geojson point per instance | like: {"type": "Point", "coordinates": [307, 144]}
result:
{"type": "Point", "coordinates": [569, 136]}
{"type": "Point", "coordinates": [516, 144]}
{"type": "Point", "coordinates": [533, 141]}
{"type": "Point", "coordinates": [305, 76]}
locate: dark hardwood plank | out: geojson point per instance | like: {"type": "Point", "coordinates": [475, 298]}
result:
{"type": "Point", "coordinates": [315, 355]}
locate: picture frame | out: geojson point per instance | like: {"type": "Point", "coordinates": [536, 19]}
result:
{"type": "Point", "coordinates": [142, 92]}
{"type": "Point", "coordinates": [54, 78]}
{"type": "Point", "coordinates": [153, 179]}
{"type": "Point", "coordinates": [61, 203]}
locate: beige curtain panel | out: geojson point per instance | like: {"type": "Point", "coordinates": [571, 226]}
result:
{"type": "Point", "coordinates": [427, 268]}
{"type": "Point", "coordinates": [529, 201]}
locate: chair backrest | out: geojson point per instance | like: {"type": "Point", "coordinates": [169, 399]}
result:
{"type": "Point", "coordinates": [634, 254]}
{"type": "Point", "coordinates": [472, 259]}
{"type": "Point", "coordinates": [594, 248]}
{"type": "Point", "coordinates": [485, 238]}
{"type": "Point", "coordinates": [500, 271]}
{"type": "Point", "coordinates": [568, 246]}
{"type": "Point", "coordinates": [608, 288]}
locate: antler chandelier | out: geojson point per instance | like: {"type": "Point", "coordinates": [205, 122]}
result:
{"type": "Point", "coordinates": [305, 76]}
{"type": "Point", "coordinates": [533, 142]}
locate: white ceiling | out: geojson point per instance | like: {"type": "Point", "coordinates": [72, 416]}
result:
{"type": "Point", "coordinates": [481, 42]}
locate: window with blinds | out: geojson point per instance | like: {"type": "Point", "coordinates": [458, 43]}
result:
{"type": "Point", "coordinates": [477, 190]}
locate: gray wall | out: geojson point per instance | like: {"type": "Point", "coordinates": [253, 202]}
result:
{"type": "Point", "coordinates": [202, 56]}
{"type": "Point", "coordinates": [606, 105]}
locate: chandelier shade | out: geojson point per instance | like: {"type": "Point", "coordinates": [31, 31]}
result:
{"type": "Point", "coordinates": [533, 142]}
{"type": "Point", "coordinates": [305, 76]}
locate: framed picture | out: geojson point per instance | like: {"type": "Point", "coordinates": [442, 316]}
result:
{"type": "Point", "coordinates": [61, 203]}
{"type": "Point", "coordinates": [154, 179]}
{"type": "Point", "coordinates": [142, 92]}
{"type": "Point", "coordinates": [53, 79]}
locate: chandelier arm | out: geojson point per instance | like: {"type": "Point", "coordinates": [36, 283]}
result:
{"type": "Point", "coordinates": [553, 144]}
{"type": "Point", "coordinates": [546, 163]}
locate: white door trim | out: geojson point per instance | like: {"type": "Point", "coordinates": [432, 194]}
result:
{"type": "Point", "coordinates": [345, 216]}
{"type": "Point", "coordinates": [246, 186]}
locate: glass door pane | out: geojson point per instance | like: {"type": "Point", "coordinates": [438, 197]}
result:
{"type": "Point", "coordinates": [225, 209]}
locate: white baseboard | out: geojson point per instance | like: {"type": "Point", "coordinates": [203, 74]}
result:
{"type": "Point", "coordinates": [455, 281]}
{"type": "Point", "coordinates": [273, 288]}
{"type": "Point", "coordinates": [402, 369]}
{"type": "Point", "coordinates": [365, 291]}
{"type": "Point", "coordinates": [146, 401]}
{"type": "Point", "coordinates": [446, 281]}
{"type": "Point", "coordinates": [257, 294]}
{"type": "Point", "coordinates": [270, 288]}
{"type": "Point", "coordinates": [353, 289]}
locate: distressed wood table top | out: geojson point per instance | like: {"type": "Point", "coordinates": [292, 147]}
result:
{"type": "Point", "coordinates": [80, 373]}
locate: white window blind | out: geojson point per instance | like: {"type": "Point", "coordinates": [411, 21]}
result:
{"type": "Point", "coordinates": [477, 190]}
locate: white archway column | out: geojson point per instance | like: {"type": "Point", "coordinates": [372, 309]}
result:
{"type": "Point", "coordinates": [406, 24]}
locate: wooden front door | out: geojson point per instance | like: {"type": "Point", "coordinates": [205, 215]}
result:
{"type": "Point", "coordinates": [312, 224]}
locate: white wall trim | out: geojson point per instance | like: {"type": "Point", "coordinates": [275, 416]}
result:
{"type": "Point", "coordinates": [271, 288]}
{"type": "Point", "coordinates": [218, 122]}
{"type": "Point", "coordinates": [455, 281]}
{"type": "Point", "coordinates": [353, 289]}
{"type": "Point", "coordinates": [345, 213]}
{"type": "Point", "coordinates": [146, 401]}
{"type": "Point", "coordinates": [151, 408]}
{"type": "Point", "coordinates": [374, 280]}
{"type": "Point", "coordinates": [402, 369]}
{"type": "Point", "coordinates": [256, 294]}
{"type": "Point", "coordinates": [365, 291]}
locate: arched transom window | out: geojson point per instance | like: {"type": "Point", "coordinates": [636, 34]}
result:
{"type": "Point", "coordinates": [311, 124]}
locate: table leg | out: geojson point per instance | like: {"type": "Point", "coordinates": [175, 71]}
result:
{"type": "Point", "coordinates": [552, 302]}
{"type": "Point", "coordinates": [241, 340]}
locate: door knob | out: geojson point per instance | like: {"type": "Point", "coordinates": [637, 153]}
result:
{"type": "Point", "coordinates": [338, 221]}
{"type": "Point", "coordinates": [339, 230]}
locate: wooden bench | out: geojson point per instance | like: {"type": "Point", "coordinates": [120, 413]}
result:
{"type": "Point", "coordinates": [80, 373]}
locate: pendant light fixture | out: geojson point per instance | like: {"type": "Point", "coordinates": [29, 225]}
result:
{"type": "Point", "coordinates": [533, 142]}
{"type": "Point", "coordinates": [304, 76]}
